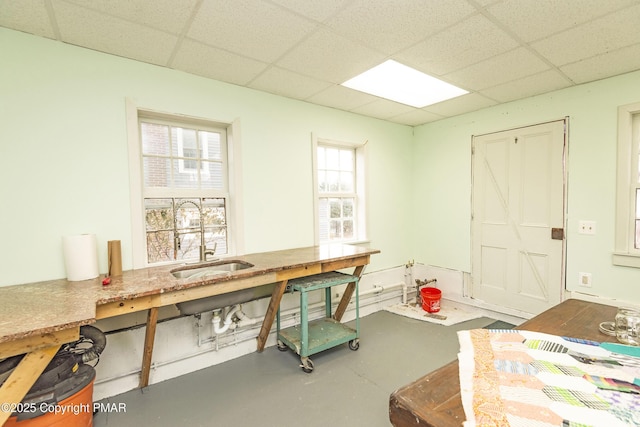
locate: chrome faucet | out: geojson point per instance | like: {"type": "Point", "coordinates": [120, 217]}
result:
{"type": "Point", "coordinates": [203, 246]}
{"type": "Point", "coordinates": [204, 251]}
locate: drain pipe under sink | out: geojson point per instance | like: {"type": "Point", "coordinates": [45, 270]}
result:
{"type": "Point", "coordinates": [217, 327]}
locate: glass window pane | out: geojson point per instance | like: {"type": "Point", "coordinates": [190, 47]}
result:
{"type": "Point", "coordinates": [335, 228]}
{"type": "Point", "coordinates": [211, 146]}
{"type": "Point", "coordinates": [156, 171]}
{"type": "Point", "coordinates": [160, 246]}
{"type": "Point", "coordinates": [347, 229]}
{"type": "Point", "coordinates": [155, 139]}
{"type": "Point", "coordinates": [212, 175]}
{"type": "Point", "coordinates": [184, 177]}
{"type": "Point", "coordinates": [335, 208]}
{"type": "Point", "coordinates": [184, 143]}
{"type": "Point", "coordinates": [188, 246]}
{"type": "Point", "coordinates": [347, 208]}
{"type": "Point", "coordinates": [332, 159]}
{"type": "Point", "coordinates": [332, 181]}
{"type": "Point", "coordinates": [322, 181]}
{"type": "Point", "coordinates": [346, 182]}
{"type": "Point", "coordinates": [158, 214]}
{"type": "Point", "coordinates": [213, 212]}
{"type": "Point", "coordinates": [346, 160]}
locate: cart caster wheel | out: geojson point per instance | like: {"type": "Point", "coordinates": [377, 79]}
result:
{"type": "Point", "coordinates": [306, 365]}
{"type": "Point", "coordinates": [354, 344]}
{"type": "Point", "coordinates": [282, 346]}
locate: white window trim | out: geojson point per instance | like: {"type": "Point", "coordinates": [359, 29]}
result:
{"type": "Point", "coordinates": [361, 188]}
{"type": "Point", "coordinates": [625, 253]}
{"type": "Point", "coordinates": [235, 217]}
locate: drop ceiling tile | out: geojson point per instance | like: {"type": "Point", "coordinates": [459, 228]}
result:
{"type": "Point", "coordinates": [341, 97]}
{"type": "Point", "coordinates": [166, 15]}
{"type": "Point", "coordinates": [330, 57]}
{"type": "Point", "coordinates": [214, 63]}
{"type": "Point", "coordinates": [256, 29]}
{"type": "Point", "coordinates": [383, 109]}
{"type": "Point", "coordinates": [287, 83]}
{"type": "Point", "coordinates": [597, 37]}
{"type": "Point", "coordinates": [460, 105]}
{"type": "Point", "coordinates": [84, 27]}
{"type": "Point", "coordinates": [500, 69]}
{"type": "Point", "coordinates": [536, 19]}
{"type": "Point", "coordinates": [415, 118]}
{"type": "Point", "coordinates": [316, 10]}
{"type": "Point", "coordinates": [393, 25]}
{"type": "Point", "coordinates": [602, 66]}
{"type": "Point", "coordinates": [526, 87]}
{"type": "Point", "coordinates": [29, 16]}
{"type": "Point", "coordinates": [468, 42]}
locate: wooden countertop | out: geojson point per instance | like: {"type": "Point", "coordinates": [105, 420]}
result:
{"type": "Point", "coordinates": [36, 309]}
{"type": "Point", "coordinates": [434, 400]}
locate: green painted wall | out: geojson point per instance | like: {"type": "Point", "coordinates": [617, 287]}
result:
{"type": "Point", "coordinates": [64, 160]}
{"type": "Point", "coordinates": [442, 180]}
{"type": "Point", "coordinates": [64, 163]}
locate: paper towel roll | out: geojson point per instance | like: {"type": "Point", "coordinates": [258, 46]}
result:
{"type": "Point", "coordinates": [80, 256]}
{"type": "Point", "coordinates": [114, 253]}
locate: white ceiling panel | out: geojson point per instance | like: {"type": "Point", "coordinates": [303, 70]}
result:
{"type": "Point", "coordinates": [460, 105]}
{"type": "Point", "coordinates": [342, 98]}
{"type": "Point", "coordinates": [525, 87]}
{"type": "Point", "coordinates": [29, 16]}
{"type": "Point", "coordinates": [256, 29]}
{"type": "Point", "coordinates": [166, 15]}
{"type": "Point", "coordinates": [392, 25]}
{"type": "Point", "coordinates": [500, 69]}
{"type": "Point", "coordinates": [331, 57]}
{"type": "Point", "coordinates": [416, 117]}
{"type": "Point", "coordinates": [473, 40]}
{"type": "Point", "coordinates": [84, 27]}
{"type": "Point", "coordinates": [499, 50]}
{"type": "Point", "coordinates": [602, 35]}
{"type": "Point", "coordinates": [287, 83]}
{"type": "Point", "coordinates": [318, 10]}
{"type": "Point", "coordinates": [533, 20]}
{"type": "Point", "coordinates": [602, 66]}
{"type": "Point", "coordinates": [214, 63]}
{"type": "Point", "coordinates": [382, 109]}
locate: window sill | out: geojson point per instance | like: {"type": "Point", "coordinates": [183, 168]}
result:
{"type": "Point", "coordinates": [624, 259]}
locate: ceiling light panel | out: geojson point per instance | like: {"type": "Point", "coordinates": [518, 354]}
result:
{"type": "Point", "coordinates": [397, 82]}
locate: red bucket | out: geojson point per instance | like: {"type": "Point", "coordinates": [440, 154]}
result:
{"type": "Point", "coordinates": [431, 299]}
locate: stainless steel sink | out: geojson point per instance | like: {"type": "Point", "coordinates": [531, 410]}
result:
{"type": "Point", "coordinates": [210, 269]}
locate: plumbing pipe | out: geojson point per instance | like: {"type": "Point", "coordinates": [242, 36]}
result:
{"type": "Point", "coordinates": [377, 289]}
{"type": "Point", "coordinates": [217, 328]}
{"type": "Point", "coordinates": [222, 342]}
{"type": "Point", "coordinates": [244, 320]}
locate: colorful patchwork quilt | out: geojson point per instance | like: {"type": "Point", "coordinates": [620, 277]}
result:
{"type": "Point", "coordinates": [530, 379]}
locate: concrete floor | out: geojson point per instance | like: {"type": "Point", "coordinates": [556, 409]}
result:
{"type": "Point", "coordinates": [346, 388]}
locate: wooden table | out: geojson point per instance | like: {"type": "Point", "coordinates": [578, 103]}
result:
{"type": "Point", "coordinates": [434, 400]}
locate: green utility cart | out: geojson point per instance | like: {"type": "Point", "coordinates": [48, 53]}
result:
{"type": "Point", "coordinates": [309, 338]}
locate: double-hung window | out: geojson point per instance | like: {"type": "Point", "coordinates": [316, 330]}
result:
{"type": "Point", "coordinates": [627, 241]}
{"type": "Point", "coordinates": [184, 198]}
{"type": "Point", "coordinates": [339, 192]}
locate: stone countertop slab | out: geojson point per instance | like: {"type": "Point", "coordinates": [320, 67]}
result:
{"type": "Point", "coordinates": [39, 308]}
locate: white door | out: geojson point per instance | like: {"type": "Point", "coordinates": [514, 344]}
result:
{"type": "Point", "coordinates": [518, 217]}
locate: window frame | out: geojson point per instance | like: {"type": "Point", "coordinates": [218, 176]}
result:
{"type": "Point", "coordinates": [627, 170]}
{"type": "Point", "coordinates": [232, 195]}
{"type": "Point", "coordinates": [359, 193]}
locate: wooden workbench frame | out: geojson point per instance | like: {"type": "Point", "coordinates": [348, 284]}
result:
{"type": "Point", "coordinates": [280, 278]}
